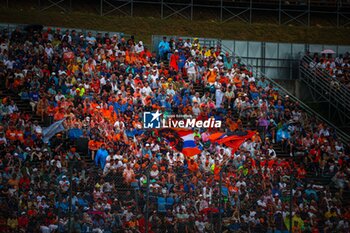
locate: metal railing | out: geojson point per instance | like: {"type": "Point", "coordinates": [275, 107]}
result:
{"type": "Point", "coordinates": [326, 90]}
{"type": "Point", "coordinates": [341, 134]}
{"type": "Point", "coordinates": [324, 80]}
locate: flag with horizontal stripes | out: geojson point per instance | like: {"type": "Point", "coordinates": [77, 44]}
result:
{"type": "Point", "coordinates": [53, 129]}
{"type": "Point", "coordinates": [180, 139]}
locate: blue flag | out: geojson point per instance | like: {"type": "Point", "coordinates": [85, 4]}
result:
{"type": "Point", "coordinates": [53, 129]}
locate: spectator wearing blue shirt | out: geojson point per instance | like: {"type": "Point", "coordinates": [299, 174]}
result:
{"type": "Point", "coordinates": [177, 100]}
{"type": "Point", "coordinates": [101, 155]}
{"type": "Point", "coordinates": [182, 61]}
{"type": "Point", "coordinates": [164, 49]}
{"type": "Point", "coordinates": [186, 99]}
{"type": "Point", "coordinates": [276, 190]}
{"type": "Point", "coordinates": [189, 187]}
{"type": "Point", "coordinates": [167, 104]}
{"type": "Point", "coordinates": [34, 98]}
{"type": "Point", "coordinates": [311, 192]}
{"type": "Point", "coordinates": [262, 83]}
{"type": "Point", "coordinates": [90, 39]}
{"type": "Point", "coordinates": [279, 106]}
{"type": "Point", "coordinates": [147, 150]}
{"type": "Point", "coordinates": [161, 97]}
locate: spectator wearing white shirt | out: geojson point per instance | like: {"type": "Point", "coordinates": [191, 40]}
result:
{"type": "Point", "coordinates": [146, 90]}
{"type": "Point", "coordinates": [59, 96]}
{"type": "Point", "coordinates": [9, 64]}
{"type": "Point", "coordinates": [187, 43]}
{"type": "Point", "coordinates": [103, 80]}
{"type": "Point", "coordinates": [67, 38]}
{"type": "Point", "coordinates": [12, 108]}
{"type": "Point", "coordinates": [196, 98]}
{"type": "Point", "coordinates": [139, 47]}
{"type": "Point", "coordinates": [48, 50]}
{"type": "Point", "coordinates": [170, 90]}
{"type": "Point", "coordinates": [191, 67]}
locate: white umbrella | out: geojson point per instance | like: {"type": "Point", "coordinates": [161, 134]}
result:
{"type": "Point", "coordinates": [328, 51]}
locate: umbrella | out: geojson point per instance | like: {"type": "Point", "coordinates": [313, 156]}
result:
{"type": "Point", "coordinates": [328, 51]}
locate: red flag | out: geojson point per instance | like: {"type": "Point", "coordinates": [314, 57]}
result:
{"type": "Point", "coordinates": [215, 136]}
{"type": "Point", "coordinates": [250, 134]}
{"type": "Point", "coordinates": [234, 144]}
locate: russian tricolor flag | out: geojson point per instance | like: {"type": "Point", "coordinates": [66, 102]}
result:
{"type": "Point", "coordinates": [189, 145]}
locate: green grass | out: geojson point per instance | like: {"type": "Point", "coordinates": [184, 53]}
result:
{"type": "Point", "coordinates": [144, 27]}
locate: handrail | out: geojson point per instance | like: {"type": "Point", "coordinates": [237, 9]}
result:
{"type": "Point", "coordinates": [339, 96]}
{"type": "Point", "coordinates": [342, 94]}
{"type": "Point", "coordinates": [329, 77]}
{"type": "Point", "coordinates": [341, 134]}
{"type": "Point", "coordinates": [325, 75]}
{"type": "Point", "coordinates": [319, 91]}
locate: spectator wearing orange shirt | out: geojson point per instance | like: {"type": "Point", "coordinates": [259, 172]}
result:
{"type": "Point", "coordinates": [93, 146]}
{"type": "Point", "coordinates": [11, 133]}
{"type": "Point", "coordinates": [19, 135]}
{"type": "Point", "coordinates": [59, 115]}
{"type": "Point", "coordinates": [192, 166]}
{"type": "Point", "coordinates": [301, 172]}
{"type": "Point", "coordinates": [51, 112]}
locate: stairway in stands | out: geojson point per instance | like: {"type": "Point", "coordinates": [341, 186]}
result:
{"type": "Point", "coordinates": [198, 88]}
{"type": "Point", "coordinates": [23, 105]}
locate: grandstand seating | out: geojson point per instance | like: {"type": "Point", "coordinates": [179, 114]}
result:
{"type": "Point", "coordinates": [176, 192]}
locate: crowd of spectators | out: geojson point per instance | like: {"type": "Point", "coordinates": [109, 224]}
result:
{"type": "Point", "coordinates": [338, 68]}
{"type": "Point", "coordinates": [101, 85]}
